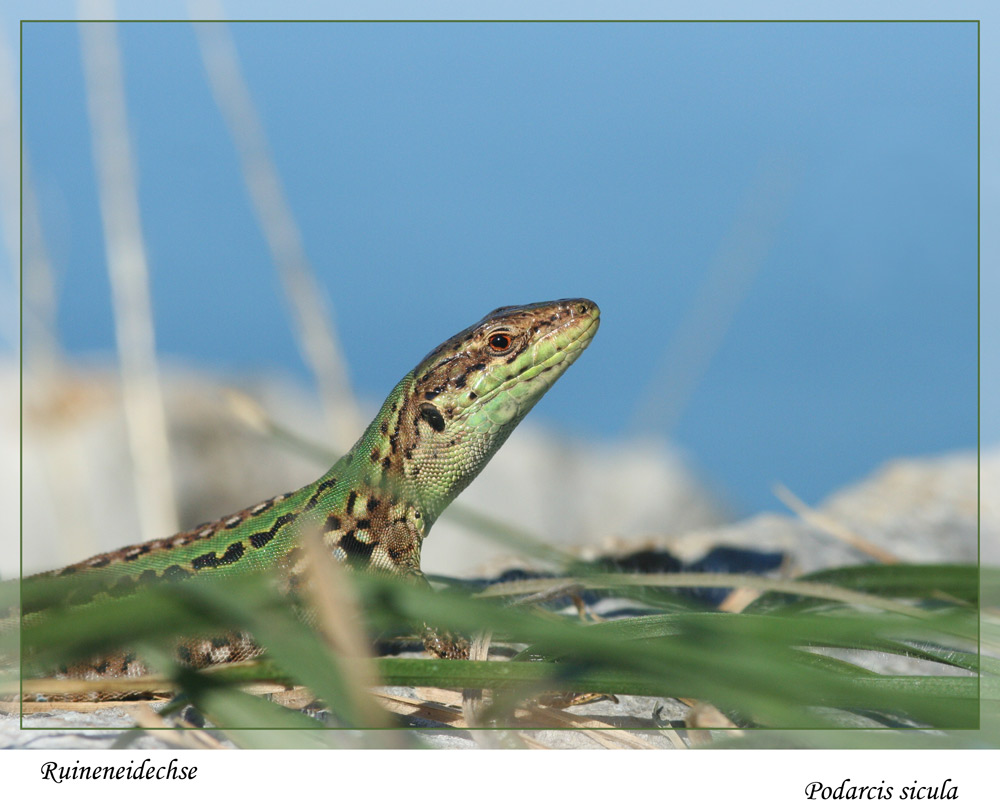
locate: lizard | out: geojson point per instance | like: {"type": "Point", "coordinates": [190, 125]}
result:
{"type": "Point", "coordinates": [437, 429]}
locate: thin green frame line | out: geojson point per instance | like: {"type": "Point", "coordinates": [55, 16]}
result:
{"type": "Point", "coordinates": [977, 22]}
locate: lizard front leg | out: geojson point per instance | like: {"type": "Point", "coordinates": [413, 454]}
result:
{"type": "Point", "coordinates": [444, 644]}
{"type": "Point", "coordinates": [406, 554]}
{"type": "Point", "coordinates": [398, 552]}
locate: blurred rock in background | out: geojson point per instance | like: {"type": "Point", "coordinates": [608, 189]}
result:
{"type": "Point", "coordinates": [79, 499]}
{"type": "Point", "coordinates": [916, 511]}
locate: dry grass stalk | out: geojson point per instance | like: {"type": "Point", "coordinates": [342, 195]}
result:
{"type": "Point", "coordinates": [608, 736]}
{"type": "Point", "coordinates": [188, 738]}
{"type": "Point", "coordinates": [739, 599]}
{"type": "Point", "coordinates": [418, 709]}
{"type": "Point", "coordinates": [472, 698]}
{"type": "Point", "coordinates": [337, 613]}
{"type": "Point", "coordinates": [80, 707]}
{"type": "Point", "coordinates": [829, 525]}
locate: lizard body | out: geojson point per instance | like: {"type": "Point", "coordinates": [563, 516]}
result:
{"type": "Point", "coordinates": [435, 432]}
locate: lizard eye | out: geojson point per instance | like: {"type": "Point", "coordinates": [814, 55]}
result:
{"type": "Point", "coordinates": [500, 342]}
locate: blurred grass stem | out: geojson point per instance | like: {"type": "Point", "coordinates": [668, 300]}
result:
{"type": "Point", "coordinates": [312, 318]}
{"type": "Point", "coordinates": [128, 272]}
{"type": "Point", "coordinates": [727, 281]}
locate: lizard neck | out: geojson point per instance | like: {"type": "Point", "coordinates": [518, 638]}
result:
{"type": "Point", "coordinates": [419, 455]}
{"type": "Point", "coordinates": [390, 457]}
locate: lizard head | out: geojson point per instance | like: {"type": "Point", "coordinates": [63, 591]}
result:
{"type": "Point", "coordinates": [469, 393]}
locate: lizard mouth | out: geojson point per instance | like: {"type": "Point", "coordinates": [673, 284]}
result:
{"type": "Point", "coordinates": [577, 344]}
{"type": "Point", "coordinates": [539, 376]}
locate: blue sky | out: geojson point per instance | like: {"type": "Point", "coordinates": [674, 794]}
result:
{"type": "Point", "coordinates": [440, 170]}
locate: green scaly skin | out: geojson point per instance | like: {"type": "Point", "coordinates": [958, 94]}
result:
{"type": "Point", "coordinates": [435, 432]}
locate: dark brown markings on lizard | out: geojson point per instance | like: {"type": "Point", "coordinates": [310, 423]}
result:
{"type": "Point", "coordinates": [68, 570]}
{"type": "Point", "coordinates": [258, 540]}
{"type": "Point", "coordinates": [332, 522]}
{"type": "Point", "coordinates": [122, 587]}
{"type": "Point", "coordinates": [372, 503]}
{"type": "Point", "coordinates": [400, 547]}
{"type": "Point", "coordinates": [384, 428]}
{"type": "Point", "coordinates": [430, 413]}
{"type": "Point", "coordinates": [374, 455]}
{"type": "Point", "coordinates": [203, 531]}
{"type": "Point", "coordinates": [351, 499]}
{"type": "Point", "coordinates": [140, 551]}
{"type": "Point", "coordinates": [394, 439]}
{"type": "Point", "coordinates": [357, 551]}
{"type": "Point", "coordinates": [472, 395]}
{"type": "Point", "coordinates": [97, 563]}
{"type": "Point", "coordinates": [386, 463]}
{"type": "Point", "coordinates": [234, 552]}
{"type": "Point", "coordinates": [126, 585]}
{"type": "Point", "coordinates": [430, 394]}
{"type": "Point", "coordinates": [324, 485]}
{"type": "Point", "coordinates": [184, 653]}
{"type": "Point", "coordinates": [460, 380]}
{"type": "Point", "coordinates": [363, 524]}
{"type": "Point", "coordinates": [234, 521]}
{"type": "Point", "coordinates": [104, 665]}
{"type": "Point", "coordinates": [85, 593]}
{"type": "Point", "coordinates": [261, 507]}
